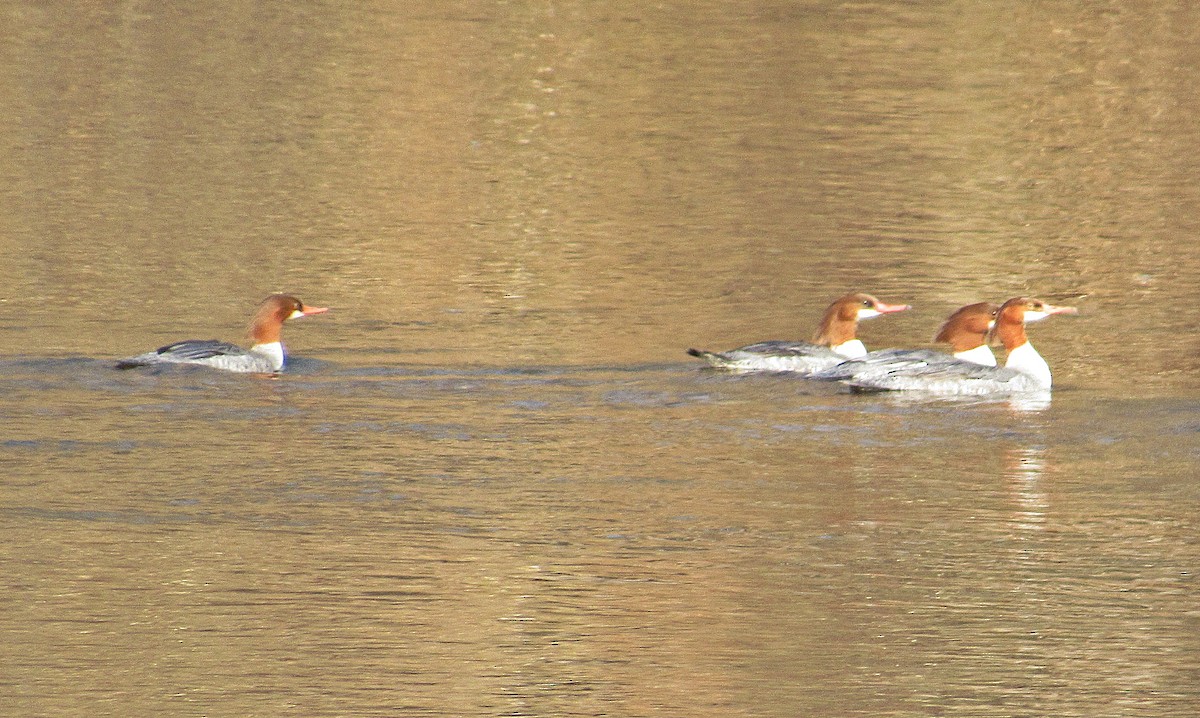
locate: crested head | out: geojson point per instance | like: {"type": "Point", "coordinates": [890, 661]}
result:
{"type": "Point", "coordinates": [1014, 314]}
{"type": "Point", "coordinates": [968, 327]}
{"type": "Point", "coordinates": [840, 323]}
{"type": "Point", "coordinates": [276, 309]}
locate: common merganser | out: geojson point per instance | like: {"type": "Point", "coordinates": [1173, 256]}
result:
{"type": "Point", "coordinates": [1024, 370]}
{"type": "Point", "coordinates": [965, 330]}
{"type": "Point", "coordinates": [266, 356]}
{"type": "Point", "coordinates": [834, 342]}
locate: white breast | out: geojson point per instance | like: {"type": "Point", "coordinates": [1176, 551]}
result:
{"type": "Point", "coordinates": [852, 349]}
{"type": "Point", "coordinates": [273, 351]}
{"type": "Point", "coordinates": [1026, 360]}
{"type": "Point", "coordinates": [981, 354]}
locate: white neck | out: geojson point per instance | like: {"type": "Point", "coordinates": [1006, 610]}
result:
{"type": "Point", "coordinates": [272, 351]}
{"type": "Point", "coordinates": [852, 349]}
{"type": "Point", "coordinates": [981, 354]}
{"type": "Point", "coordinates": [1026, 360]}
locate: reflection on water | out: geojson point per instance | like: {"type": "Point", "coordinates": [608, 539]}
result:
{"type": "Point", "coordinates": [491, 482]}
{"type": "Point", "coordinates": [562, 540]}
{"type": "Point", "coordinates": [1025, 474]}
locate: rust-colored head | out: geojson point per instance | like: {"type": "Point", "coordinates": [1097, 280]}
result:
{"type": "Point", "coordinates": [840, 323]}
{"type": "Point", "coordinates": [1016, 313]}
{"type": "Point", "coordinates": [968, 327]}
{"type": "Point", "coordinates": [273, 312]}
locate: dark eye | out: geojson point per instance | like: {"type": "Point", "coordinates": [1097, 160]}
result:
{"type": "Point", "coordinates": [866, 302]}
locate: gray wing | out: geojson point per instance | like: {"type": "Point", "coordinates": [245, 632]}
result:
{"type": "Point", "coordinates": [800, 357]}
{"type": "Point", "coordinates": [781, 348]}
{"type": "Point", "coordinates": [197, 349]}
{"type": "Point", "coordinates": [191, 351]}
{"type": "Point", "coordinates": [952, 377]}
{"type": "Point", "coordinates": [885, 361]}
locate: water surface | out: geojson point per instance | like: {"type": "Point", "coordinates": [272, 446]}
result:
{"type": "Point", "coordinates": [491, 482]}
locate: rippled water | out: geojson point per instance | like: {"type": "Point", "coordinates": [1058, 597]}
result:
{"type": "Point", "coordinates": [491, 482]}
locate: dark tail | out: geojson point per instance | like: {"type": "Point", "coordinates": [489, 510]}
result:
{"type": "Point", "coordinates": [133, 362]}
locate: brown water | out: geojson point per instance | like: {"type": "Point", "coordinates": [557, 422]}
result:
{"type": "Point", "coordinates": [492, 483]}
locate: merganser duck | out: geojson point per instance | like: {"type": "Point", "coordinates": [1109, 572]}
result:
{"type": "Point", "coordinates": [966, 331]}
{"type": "Point", "coordinates": [834, 342]}
{"type": "Point", "coordinates": [265, 356]}
{"type": "Point", "coordinates": [1024, 370]}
